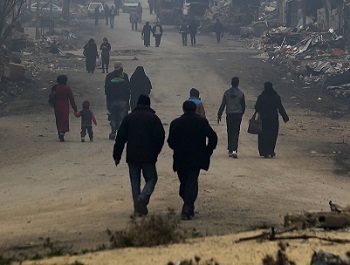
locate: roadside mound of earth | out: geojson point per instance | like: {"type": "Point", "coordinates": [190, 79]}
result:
{"type": "Point", "coordinates": [219, 250]}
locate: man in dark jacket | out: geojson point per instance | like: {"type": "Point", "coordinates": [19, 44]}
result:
{"type": "Point", "coordinates": [117, 67]}
{"type": "Point", "coordinates": [234, 101]}
{"type": "Point", "coordinates": [144, 133]}
{"type": "Point", "coordinates": [118, 96]}
{"type": "Point", "coordinates": [188, 138]}
{"type": "Point", "coordinates": [192, 28]}
{"type": "Point", "coordinates": [219, 30]}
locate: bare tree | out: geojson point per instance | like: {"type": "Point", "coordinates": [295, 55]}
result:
{"type": "Point", "coordinates": [9, 13]}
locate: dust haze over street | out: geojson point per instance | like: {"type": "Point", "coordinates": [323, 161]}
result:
{"type": "Point", "coordinates": [72, 191]}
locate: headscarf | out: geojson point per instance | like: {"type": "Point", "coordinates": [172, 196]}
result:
{"type": "Point", "coordinates": [268, 89]}
{"type": "Point", "coordinates": [62, 79]}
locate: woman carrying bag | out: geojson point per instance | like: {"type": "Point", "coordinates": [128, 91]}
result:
{"type": "Point", "coordinates": [268, 106]}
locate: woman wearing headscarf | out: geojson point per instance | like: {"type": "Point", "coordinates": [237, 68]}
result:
{"type": "Point", "coordinates": [139, 85]}
{"type": "Point", "coordinates": [91, 54]}
{"type": "Point", "coordinates": [105, 50]}
{"type": "Point", "coordinates": [268, 106]}
{"type": "Point", "coordinates": [63, 97]}
{"type": "Point", "coordinates": [146, 34]}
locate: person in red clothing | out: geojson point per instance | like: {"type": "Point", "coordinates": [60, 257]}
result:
{"type": "Point", "coordinates": [87, 118]}
{"type": "Point", "coordinates": [63, 97]}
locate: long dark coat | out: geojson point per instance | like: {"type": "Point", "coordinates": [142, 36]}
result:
{"type": "Point", "coordinates": [269, 105]}
{"type": "Point", "coordinates": [139, 85]}
{"type": "Point", "coordinates": [105, 50]}
{"type": "Point", "coordinates": [188, 138]}
{"type": "Point", "coordinates": [146, 32]}
{"type": "Point", "coordinates": [144, 134]}
{"type": "Point", "coordinates": [91, 54]}
{"type": "Point", "coordinates": [64, 97]}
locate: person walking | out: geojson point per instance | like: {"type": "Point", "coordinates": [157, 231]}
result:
{"type": "Point", "coordinates": [188, 136]}
{"type": "Point", "coordinates": [105, 50]}
{"type": "Point", "coordinates": [117, 67]}
{"type": "Point", "coordinates": [139, 12]}
{"type": "Point", "coordinates": [219, 30]}
{"type": "Point", "coordinates": [234, 102]}
{"type": "Point", "coordinates": [183, 30]}
{"type": "Point", "coordinates": [139, 85]}
{"type": "Point", "coordinates": [268, 105]}
{"type": "Point", "coordinates": [112, 14]}
{"type": "Point", "coordinates": [192, 28]}
{"type": "Point", "coordinates": [194, 97]}
{"type": "Point", "coordinates": [117, 4]}
{"type": "Point", "coordinates": [151, 6]}
{"type": "Point", "coordinates": [91, 54]}
{"type": "Point", "coordinates": [157, 33]}
{"type": "Point", "coordinates": [144, 134]}
{"type": "Point", "coordinates": [97, 14]}
{"type": "Point", "coordinates": [133, 18]}
{"type": "Point", "coordinates": [107, 13]}
{"type": "Point", "coordinates": [63, 97]}
{"type": "Point", "coordinates": [118, 96]}
{"type": "Point", "coordinates": [87, 118]}
{"type": "Point", "coordinates": [146, 34]}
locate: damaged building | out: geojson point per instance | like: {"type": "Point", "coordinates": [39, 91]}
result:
{"type": "Point", "coordinates": [320, 15]}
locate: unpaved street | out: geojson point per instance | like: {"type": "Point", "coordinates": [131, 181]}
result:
{"type": "Point", "coordinates": [72, 191]}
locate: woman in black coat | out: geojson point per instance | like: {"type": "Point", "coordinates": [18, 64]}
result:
{"type": "Point", "coordinates": [139, 85]}
{"type": "Point", "coordinates": [268, 106]}
{"type": "Point", "coordinates": [91, 54]}
{"type": "Point", "coordinates": [146, 33]}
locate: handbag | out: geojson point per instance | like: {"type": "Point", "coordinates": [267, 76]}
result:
{"type": "Point", "coordinates": [52, 96]}
{"type": "Point", "coordinates": [255, 124]}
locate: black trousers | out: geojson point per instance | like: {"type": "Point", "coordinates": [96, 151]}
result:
{"type": "Point", "coordinates": [88, 129]}
{"type": "Point", "coordinates": [184, 39]}
{"type": "Point", "coordinates": [188, 189]}
{"type": "Point", "coordinates": [233, 122]}
{"type": "Point", "coordinates": [193, 39]}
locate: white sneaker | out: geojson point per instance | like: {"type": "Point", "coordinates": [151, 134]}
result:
{"type": "Point", "coordinates": [234, 154]}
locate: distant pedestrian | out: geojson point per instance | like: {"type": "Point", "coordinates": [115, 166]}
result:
{"type": "Point", "coordinates": [194, 97]}
{"type": "Point", "coordinates": [91, 54]}
{"type": "Point", "coordinates": [192, 28]}
{"type": "Point", "coordinates": [146, 33]}
{"type": "Point", "coordinates": [107, 13]}
{"type": "Point", "coordinates": [118, 96]}
{"type": "Point", "coordinates": [144, 134]}
{"type": "Point", "coordinates": [105, 54]}
{"type": "Point", "coordinates": [118, 4]}
{"type": "Point", "coordinates": [268, 106]}
{"type": "Point", "coordinates": [151, 6]}
{"type": "Point", "coordinates": [183, 30]}
{"type": "Point", "coordinates": [193, 141]}
{"type": "Point", "coordinates": [87, 118]}
{"type": "Point", "coordinates": [63, 97]}
{"type": "Point", "coordinates": [139, 12]}
{"type": "Point", "coordinates": [157, 33]}
{"type": "Point", "coordinates": [97, 14]}
{"type": "Point", "coordinates": [133, 18]}
{"type": "Point", "coordinates": [234, 102]}
{"type": "Point", "coordinates": [139, 85]}
{"type": "Point", "coordinates": [219, 30]}
{"type": "Point", "coordinates": [112, 14]}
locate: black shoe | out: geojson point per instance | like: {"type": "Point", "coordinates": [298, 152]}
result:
{"type": "Point", "coordinates": [142, 206]}
{"type": "Point", "coordinates": [111, 136]}
{"type": "Point", "coordinates": [186, 217]}
{"type": "Point", "coordinates": [61, 137]}
{"type": "Point", "coordinates": [82, 139]}
{"type": "Point", "coordinates": [91, 139]}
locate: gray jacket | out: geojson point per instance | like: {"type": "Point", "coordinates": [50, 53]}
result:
{"type": "Point", "coordinates": [234, 102]}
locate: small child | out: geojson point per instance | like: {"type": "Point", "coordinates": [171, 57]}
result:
{"type": "Point", "coordinates": [194, 97]}
{"type": "Point", "coordinates": [87, 117]}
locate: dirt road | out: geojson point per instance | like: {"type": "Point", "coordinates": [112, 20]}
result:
{"type": "Point", "coordinates": [71, 191]}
